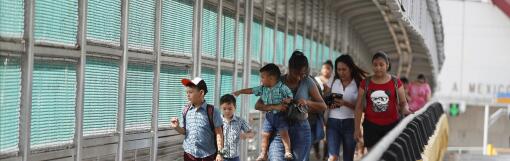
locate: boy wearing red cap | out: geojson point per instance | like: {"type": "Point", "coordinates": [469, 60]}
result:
{"type": "Point", "coordinates": [201, 124]}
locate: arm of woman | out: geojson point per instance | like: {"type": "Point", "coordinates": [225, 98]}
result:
{"type": "Point", "coordinates": [403, 106]}
{"type": "Point", "coordinates": [358, 113]}
{"type": "Point", "coordinates": [317, 103]}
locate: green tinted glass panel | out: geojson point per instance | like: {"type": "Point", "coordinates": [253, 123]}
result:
{"type": "Point", "coordinates": [239, 86]}
{"type": "Point", "coordinates": [313, 54]}
{"type": "Point", "coordinates": [228, 35]}
{"type": "Point", "coordinates": [56, 21]}
{"type": "Point", "coordinates": [139, 96]}
{"type": "Point", "coordinates": [103, 21]}
{"type": "Point", "coordinates": [209, 22]}
{"type": "Point", "coordinates": [299, 43]}
{"type": "Point", "coordinates": [226, 82]}
{"type": "Point", "coordinates": [10, 87]}
{"type": "Point", "coordinates": [306, 49]}
{"type": "Point", "coordinates": [141, 24]}
{"type": "Point", "coordinates": [268, 44]}
{"type": "Point", "coordinates": [318, 59]}
{"type": "Point", "coordinates": [290, 47]}
{"type": "Point", "coordinates": [280, 40]}
{"type": "Point", "coordinates": [177, 25]}
{"type": "Point", "coordinates": [101, 96]}
{"type": "Point", "coordinates": [256, 37]}
{"type": "Point", "coordinates": [240, 41]}
{"type": "Point", "coordinates": [11, 18]}
{"type": "Point", "coordinates": [254, 81]}
{"type": "Point", "coordinates": [209, 76]}
{"type": "Point", "coordinates": [326, 53]}
{"type": "Point", "coordinates": [172, 95]}
{"type": "Point", "coordinates": [53, 102]}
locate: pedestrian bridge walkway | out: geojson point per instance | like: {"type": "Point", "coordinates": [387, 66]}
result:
{"type": "Point", "coordinates": [99, 79]}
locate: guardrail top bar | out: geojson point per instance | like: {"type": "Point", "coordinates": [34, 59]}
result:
{"type": "Point", "coordinates": [379, 149]}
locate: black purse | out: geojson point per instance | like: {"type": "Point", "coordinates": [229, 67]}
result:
{"type": "Point", "coordinates": [295, 112]}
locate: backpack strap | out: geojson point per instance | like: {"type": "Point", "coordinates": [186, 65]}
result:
{"type": "Point", "coordinates": [331, 85]}
{"type": "Point", "coordinates": [210, 116]}
{"type": "Point", "coordinates": [395, 85]}
{"type": "Point", "coordinates": [321, 92]}
{"type": "Point", "coordinates": [367, 82]}
{"type": "Point", "coordinates": [184, 113]}
{"type": "Point", "coordinates": [397, 104]}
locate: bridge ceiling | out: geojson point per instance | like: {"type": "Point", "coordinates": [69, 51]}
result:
{"type": "Point", "coordinates": [370, 21]}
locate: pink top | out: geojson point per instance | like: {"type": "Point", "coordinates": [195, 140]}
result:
{"type": "Point", "coordinates": [418, 95]}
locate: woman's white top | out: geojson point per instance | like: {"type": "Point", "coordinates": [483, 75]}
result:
{"type": "Point", "coordinates": [349, 94]}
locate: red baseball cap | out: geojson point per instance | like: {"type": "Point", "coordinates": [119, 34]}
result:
{"type": "Point", "coordinates": [198, 82]}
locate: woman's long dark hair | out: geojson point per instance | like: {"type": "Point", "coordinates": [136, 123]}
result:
{"type": "Point", "coordinates": [357, 73]}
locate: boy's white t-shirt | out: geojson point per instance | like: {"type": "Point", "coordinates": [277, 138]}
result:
{"type": "Point", "coordinates": [318, 79]}
{"type": "Point", "coordinates": [349, 94]}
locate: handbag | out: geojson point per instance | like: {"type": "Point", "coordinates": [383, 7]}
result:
{"type": "Point", "coordinates": [295, 112]}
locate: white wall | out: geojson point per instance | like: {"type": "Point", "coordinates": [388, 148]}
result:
{"type": "Point", "coordinates": [477, 51]}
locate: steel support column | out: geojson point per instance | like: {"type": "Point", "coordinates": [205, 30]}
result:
{"type": "Point", "coordinates": [248, 15]}
{"type": "Point", "coordinates": [312, 31]}
{"type": "Point", "coordinates": [236, 37]}
{"type": "Point", "coordinates": [82, 43]}
{"type": "Point", "coordinates": [197, 38]}
{"type": "Point", "coordinates": [27, 68]}
{"type": "Point", "coordinates": [275, 33]}
{"type": "Point", "coordinates": [156, 81]}
{"type": "Point", "coordinates": [304, 26]}
{"type": "Point", "coordinates": [217, 87]}
{"type": "Point", "coordinates": [286, 32]}
{"type": "Point", "coordinates": [295, 24]}
{"type": "Point", "coordinates": [122, 79]}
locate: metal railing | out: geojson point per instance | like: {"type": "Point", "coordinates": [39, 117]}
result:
{"type": "Point", "coordinates": [408, 139]}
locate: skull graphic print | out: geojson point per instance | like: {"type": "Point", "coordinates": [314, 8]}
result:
{"type": "Point", "coordinates": [380, 100]}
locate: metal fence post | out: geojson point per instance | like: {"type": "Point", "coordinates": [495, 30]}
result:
{"type": "Point", "coordinates": [82, 43]}
{"type": "Point", "coordinates": [236, 36]}
{"type": "Point", "coordinates": [218, 53]}
{"type": "Point", "coordinates": [122, 79]}
{"type": "Point", "coordinates": [275, 33]}
{"type": "Point", "coordinates": [27, 68]}
{"type": "Point", "coordinates": [248, 15]}
{"type": "Point", "coordinates": [156, 81]}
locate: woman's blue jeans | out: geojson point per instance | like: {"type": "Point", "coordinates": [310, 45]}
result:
{"type": "Point", "coordinates": [300, 140]}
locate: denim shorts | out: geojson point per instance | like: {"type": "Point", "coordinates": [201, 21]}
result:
{"type": "Point", "coordinates": [340, 132]}
{"type": "Point", "coordinates": [275, 122]}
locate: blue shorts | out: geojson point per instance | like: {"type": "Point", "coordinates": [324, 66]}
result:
{"type": "Point", "coordinates": [275, 122]}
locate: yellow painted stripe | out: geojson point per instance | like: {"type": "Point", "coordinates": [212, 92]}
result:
{"type": "Point", "coordinates": [503, 100]}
